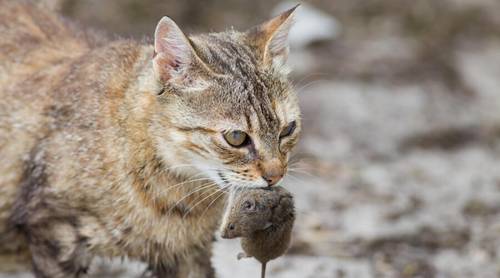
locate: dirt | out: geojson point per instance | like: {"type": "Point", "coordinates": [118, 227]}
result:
{"type": "Point", "coordinates": [397, 171]}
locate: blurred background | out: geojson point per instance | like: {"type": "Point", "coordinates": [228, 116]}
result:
{"type": "Point", "coordinates": [398, 170]}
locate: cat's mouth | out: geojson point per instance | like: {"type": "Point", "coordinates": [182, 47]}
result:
{"type": "Point", "coordinates": [225, 181]}
{"type": "Point", "coordinates": [222, 178]}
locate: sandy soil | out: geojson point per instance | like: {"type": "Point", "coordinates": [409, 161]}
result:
{"type": "Point", "coordinates": [397, 172]}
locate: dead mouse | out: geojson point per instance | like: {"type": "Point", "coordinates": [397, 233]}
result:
{"type": "Point", "coordinates": [263, 218]}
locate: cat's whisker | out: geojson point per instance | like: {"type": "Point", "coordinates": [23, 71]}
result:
{"type": "Point", "coordinates": [197, 189]}
{"type": "Point", "coordinates": [297, 83]}
{"type": "Point", "coordinates": [299, 171]}
{"type": "Point", "coordinates": [178, 166]}
{"type": "Point", "coordinates": [308, 85]}
{"type": "Point", "coordinates": [186, 165]}
{"type": "Point", "coordinates": [296, 178]}
{"type": "Point", "coordinates": [211, 204]}
{"type": "Point", "coordinates": [301, 166]}
{"type": "Point", "coordinates": [298, 160]}
{"type": "Point", "coordinates": [185, 182]}
{"type": "Point", "coordinates": [298, 166]}
{"type": "Point", "coordinates": [199, 202]}
{"type": "Point", "coordinates": [233, 189]}
{"type": "Point", "coordinates": [302, 181]}
{"type": "Point", "coordinates": [202, 187]}
{"type": "Point", "coordinates": [168, 169]}
{"type": "Point", "coordinates": [237, 189]}
{"type": "Point", "coordinates": [180, 185]}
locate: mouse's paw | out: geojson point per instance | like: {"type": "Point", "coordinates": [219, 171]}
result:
{"type": "Point", "coordinates": [242, 255]}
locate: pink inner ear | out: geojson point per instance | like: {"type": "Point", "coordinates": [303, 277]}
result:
{"type": "Point", "coordinates": [172, 49]}
{"type": "Point", "coordinates": [175, 64]}
{"type": "Point", "coordinates": [272, 37]}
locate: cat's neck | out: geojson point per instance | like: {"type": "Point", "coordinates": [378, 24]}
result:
{"type": "Point", "coordinates": [159, 182]}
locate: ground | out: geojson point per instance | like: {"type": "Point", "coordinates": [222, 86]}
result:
{"type": "Point", "coordinates": [397, 171]}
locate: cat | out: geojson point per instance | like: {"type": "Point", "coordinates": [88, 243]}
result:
{"type": "Point", "coordinates": [126, 149]}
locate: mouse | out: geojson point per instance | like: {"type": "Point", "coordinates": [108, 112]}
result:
{"type": "Point", "coordinates": [263, 218]}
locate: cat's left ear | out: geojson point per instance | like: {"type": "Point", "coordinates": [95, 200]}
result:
{"type": "Point", "coordinates": [174, 55]}
{"type": "Point", "coordinates": [270, 39]}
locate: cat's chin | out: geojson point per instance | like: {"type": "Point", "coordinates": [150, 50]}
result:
{"type": "Point", "coordinates": [247, 186]}
{"type": "Point", "coordinates": [225, 181]}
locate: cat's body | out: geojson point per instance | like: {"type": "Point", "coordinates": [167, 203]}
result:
{"type": "Point", "coordinates": [101, 151]}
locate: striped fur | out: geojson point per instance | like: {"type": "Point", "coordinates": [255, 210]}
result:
{"type": "Point", "coordinates": [100, 157]}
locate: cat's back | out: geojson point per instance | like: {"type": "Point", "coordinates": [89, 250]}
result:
{"type": "Point", "coordinates": [33, 37]}
{"type": "Point", "coordinates": [34, 46]}
{"type": "Point", "coordinates": [54, 78]}
{"type": "Point", "coordinates": [55, 82]}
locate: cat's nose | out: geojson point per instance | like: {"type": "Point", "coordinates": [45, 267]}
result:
{"type": "Point", "coordinates": [272, 171]}
{"type": "Point", "coordinates": [272, 180]}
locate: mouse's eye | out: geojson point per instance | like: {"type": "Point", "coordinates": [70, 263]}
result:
{"type": "Point", "coordinates": [247, 205]}
{"type": "Point", "coordinates": [231, 227]}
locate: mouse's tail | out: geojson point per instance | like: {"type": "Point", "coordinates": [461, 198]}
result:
{"type": "Point", "coordinates": [263, 271]}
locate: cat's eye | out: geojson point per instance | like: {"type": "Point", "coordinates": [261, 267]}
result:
{"type": "Point", "coordinates": [237, 138]}
{"type": "Point", "coordinates": [288, 130]}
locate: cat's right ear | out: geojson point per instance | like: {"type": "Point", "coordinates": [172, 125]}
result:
{"type": "Point", "coordinates": [174, 54]}
{"type": "Point", "coordinates": [270, 39]}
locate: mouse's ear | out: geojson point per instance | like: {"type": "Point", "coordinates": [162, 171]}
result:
{"type": "Point", "coordinates": [285, 205]}
{"type": "Point", "coordinates": [249, 205]}
{"type": "Point", "coordinates": [267, 225]}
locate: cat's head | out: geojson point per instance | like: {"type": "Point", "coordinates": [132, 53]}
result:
{"type": "Point", "coordinates": [226, 107]}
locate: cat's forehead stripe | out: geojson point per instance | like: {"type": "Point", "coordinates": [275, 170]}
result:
{"type": "Point", "coordinates": [195, 129]}
{"type": "Point", "coordinates": [253, 88]}
{"type": "Point", "coordinates": [248, 120]}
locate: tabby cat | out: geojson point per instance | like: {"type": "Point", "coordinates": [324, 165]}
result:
{"type": "Point", "coordinates": [123, 149]}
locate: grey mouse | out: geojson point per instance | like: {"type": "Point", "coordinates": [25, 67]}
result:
{"type": "Point", "coordinates": [263, 218]}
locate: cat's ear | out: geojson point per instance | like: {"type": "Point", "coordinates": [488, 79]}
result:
{"type": "Point", "coordinates": [271, 38]}
{"type": "Point", "coordinates": [174, 54]}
